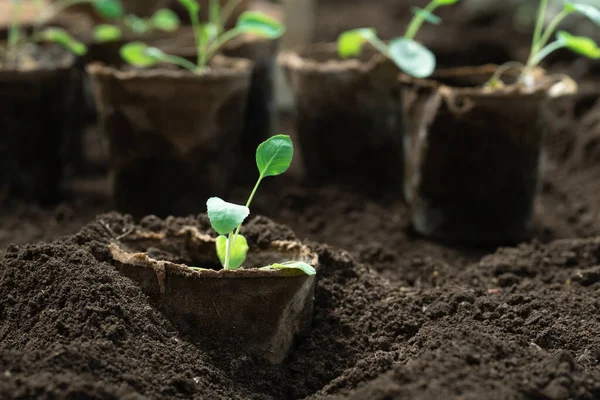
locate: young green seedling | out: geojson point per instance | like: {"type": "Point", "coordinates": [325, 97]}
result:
{"type": "Point", "coordinates": [163, 20]}
{"type": "Point", "coordinates": [410, 56]}
{"type": "Point", "coordinates": [17, 36]}
{"type": "Point", "coordinates": [273, 157]}
{"type": "Point", "coordinates": [209, 37]}
{"type": "Point", "coordinates": [540, 48]}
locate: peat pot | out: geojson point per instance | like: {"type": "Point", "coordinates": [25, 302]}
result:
{"type": "Point", "coordinates": [260, 311]}
{"type": "Point", "coordinates": [348, 117]}
{"type": "Point", "coordinates": [173, 135]}
{"type": "Point", "coordinates": [472, 154]}
{"type": "Point", "coordinates": [39, 119]}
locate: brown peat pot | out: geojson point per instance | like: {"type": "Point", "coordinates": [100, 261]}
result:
{"type": "Point", "coordinates": [39, 119]}
{"type": "Point", "coordinates": [173, 135]}
{"type": "Point", "coordinates": [349, 117]}
{"type": "Point", "coordinates": [262, 311]}
{"type": "Point", "coordinates": [472, 155]}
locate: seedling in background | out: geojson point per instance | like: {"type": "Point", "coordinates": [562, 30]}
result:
{"type": "Point", "coordinates": [162, 20]}
{"type": "Point", "coordinates": [410, 56]}
{"type": "Point", "coordinates": [540, 48]}
{"type": "Point", "coordinates": [209, 37]}
{"type": "Point", "coordinates": [273, 157]}
{"type": "Point", "coordinates": [17, 36]}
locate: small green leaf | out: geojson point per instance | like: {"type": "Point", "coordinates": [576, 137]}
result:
{"type": "Point", "coordinates": [136, 24]}
{"type": "Point", "coordinates": [350, 42]}
{"type": "Point", "coordinates": [579, 44]}
{"type": "Point", "coordinates": [238, 251]}
{"type": "Point", "coordinates": [165, 20]}
{"type": "Point", "coordinates": [302, 266]}
{"type": "Point", "coordinates": [261, 24]}
{"type": "Point", "coordinates": [110, 9]}
{"type": "Point", "coordinates": [106, 33]}
{"type": "Point", "coordinates": [445, 2]}
{"type": "Point", "coordinates": [427, 15]}
{"type": "Point", "coordinates": [585, 9]}
{"type": "Point", "coordinates": [61, 37]}
{"type": "Point", "coordinates": [274, 155]}
{"type": "Point", "coordinates": [225, 217]}
{"type": "Point", "coordinates": [412, 57]}
{"type": "Point", "coordinates": [208, 32]}
{"type": "Point", "coordinates": [191, 5]}
{"type": "Point", "coordinates": [136, 54]}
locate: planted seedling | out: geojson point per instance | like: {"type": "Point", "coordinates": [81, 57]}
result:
{"type": "Point", "coordinates": [541, 48]}
{"type": "Point", "coordinates": [410, 56]}
{"type": "Point", "coordinates": [18, 37]}
{"type": "Point", "coordinates": [273, 157]}
{"type": "Point", "coordinates": [209, 37]}
{"type": "Point", "coordinates": [162, 20]}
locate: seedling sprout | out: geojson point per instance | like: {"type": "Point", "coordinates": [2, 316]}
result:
{"type": "Point", "coordinates": [209, 37]}
{"type": "Point", "coordinates": [273, 157]}
{"type": "Point", "coordinates": [17, 37]}
{"type": "Point", "coordinates": [410, 56]}
{"type": "Point", "coordinates": [163, 20]}
{"type": "Point", "coordinates": [540, 48]}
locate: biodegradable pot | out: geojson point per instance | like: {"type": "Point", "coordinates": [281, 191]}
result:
{"type": "Point", "coordinates": [348, 117]}
{"type": "Point", "coordinates": [262, 311]}
{"type": "Point", "coordinates": [173, 135]}
{"type": "Point", "coordinates": [472, 154]}
{"type": "Point", "coordinates": [39, 121]}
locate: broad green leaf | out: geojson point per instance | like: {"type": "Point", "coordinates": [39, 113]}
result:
{"type": "Point", "coordinates": [61, 37]}
{"type": "Point", "coordinates": [165, 20]}
{"type": "Point", "coordinates": [585, 9]}
{"type": "Point", "coordinates": [225, 217]}
{"type": "Point", "coordinates": [579, 44]}
{"type": "Point", "coordinates": [106, 33]}
{"type": "Point", "coordinates": [110, 9]}
{"type": "Point", "coordinates": [427, 15]}
{"type": "Point", "coordinates": [302, 266]}
{"type": "Point", "coordinates": [136, 54]}
{"type": "Point", "coordinates": [350, 42]}
{"type": "Point", "coordinates": [261, 24]}
{"type": "Point", "coordinates": [445, 2]}
{"type": "Point", "coordinates": [136, 24]}
{"type": "Point", "coordinates": [191, 5]}
{"type": "Point", "coordinates": [274, 155]}
{"type": "Point", "coordinates": [411, 57]}
{"type": "Point", "coordinates": [238, 251]}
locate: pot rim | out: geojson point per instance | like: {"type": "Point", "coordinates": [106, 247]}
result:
{"type": "Point", "coordinates": [66, 62]}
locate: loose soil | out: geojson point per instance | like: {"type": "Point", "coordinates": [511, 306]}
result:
{"type": "Point", "coordinates": [396, 316]}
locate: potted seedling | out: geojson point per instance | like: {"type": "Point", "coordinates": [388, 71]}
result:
{"type": "Point", "coordinates": [173, 125]}
{"type": "Point", "coordinates": [39, 98]}
{"type": "Point", "coordinates": [474, 138]}
{"type": "Point", "coordinates": [348, 109]}
{"type": "Point", "coordinates": [259, 298]}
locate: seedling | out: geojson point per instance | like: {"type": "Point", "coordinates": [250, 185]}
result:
{"type": "Point", "coordinates": [17, 37]}
{"type": "Point", "coordinates": [410, 56]}
{"type": "Point", "coordinates": [273, 157]}
{"type": "Point", "coordinates": [209, 37]}
{"type": "Point", "coordinates": [163, 20]}
{"type": "Point", "coordinates": [540, 48]}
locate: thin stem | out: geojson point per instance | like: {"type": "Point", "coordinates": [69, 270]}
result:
{"type": "Point", "coordinates": [228, 246]}
{"type": "Point", "coordinates": [538, 28]}
{"type": "Point", "coordinates": [552, 27]}
{"type": "Point", "coordinates": [182, 62]}
{"type": "Point", "coordinates": [379, 46]}
{"type": "Point", "coordinates": [197, 31]}
{"type": "Point", "coordinates": [543, 53]}
{"type": "Point", "coordinates": [228, 11]}
{"type": "Point", "coordinates": [220, 41]}
{"type": "Point", "coordinates": [418, 20]}
{"type": "Point", "coordinates": [214, 15]}
{"type": "Point", "coordinates": [237, 230]}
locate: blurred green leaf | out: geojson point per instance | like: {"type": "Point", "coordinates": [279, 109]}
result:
{"type": "Point", "coordinates": [579, 44]}
{"type": "Point", "coordinates": [136, 24]}
{"type": "Point", "coordinates": [585, 9]}
{"type": "Point", "coordinates": [445, 2]}
{"type": "Point", "coordinates": [427, 15]}
{"type": "Point", "coordinates": [261, 24]}
{"type": "Point", "coordinates": [299, 265]}
{"type": "Point", "coordinates": [110, 9]}
{"type": "Point", "coordinates": [191, 5]}
{"type": "Point", "coordinates": [411, 57]}
{"type": "Point", "coordinates": [350, 42]}
{"type": "Point", "coordinates": [60, 36]}
{"type": "Point", "coordinates": [165, 20]}
{"type": "Point", "coordinates": [137, 54]}
{"type": "Point", "coordinates": [106, 33]}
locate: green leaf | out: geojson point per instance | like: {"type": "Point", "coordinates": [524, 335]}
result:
{"type": "Point", "coordinates": [106, 33]}
{"type": "Point", "coordinates": [238, 251]}
{"type": "Point", "coordinates": [61, 37]}
{"type": "Point", "coordinates": [214, 12]}
{"type": "Point", "coordinates": [445, 2]}
{"type": "Point", "coordinates": [225, 217]}
{"type": "Point", "coordinates": [427, 15]}
{"type": "Point", "coordinates": [208, 32]}
{"type": "Point", "coordinates": [110, 9]}
{"type": "Point", "coordinates": [579, 44]}
{"type": "Point", "coordinates": [302, 266]}
{"type": "Point", "coordinates": [136, 24]}
{"type": "Point", "coordinates": [191, 5]}
{"type": "Point", "coordinates": [261, 24]}
{"type": "Point", "coordinates": [274, 155]}
{"type": "Point", "coordinates": [585, 9]}
{"type": "Point", "coordinates": [136, 54]}
{"type": "Point", "coordinates": [412, 57]}
{"type": "Point", "coordinates": [165, 20]}
{"type": "Point", "coordinates": [350, 42]}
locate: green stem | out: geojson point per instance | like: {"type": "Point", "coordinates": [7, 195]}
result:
{"type": "Point", "coordinates": [228, 246]}
{"type": "Point", "coordinates": [379, 46]}
{"type": "Point", "coordinates": [182, 62]}
{"type": "Point", "coordinates": [220, 41]}
{"type": "Point", "coordinates": [418, 20]}
{"type": "Point", "coordinates": [13, 34]}
{"type": "Point", "coordinates": [237, 230]}
{"type": "Point", "coordinates": [551, 28]}
{"type": "Point", "coordinates": [197, 30]}
{"type": "Point", "coordinates": [215, 15]}
{"type": "Point", "coordinates": [543, 53]}
{"type": "Point", "coordinates": [539, 25]}
{"type": "Point", "coordinates": [228, 11]}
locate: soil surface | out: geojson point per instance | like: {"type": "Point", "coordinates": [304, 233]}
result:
{"type": "Point", "coordinates": [397, 316]}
